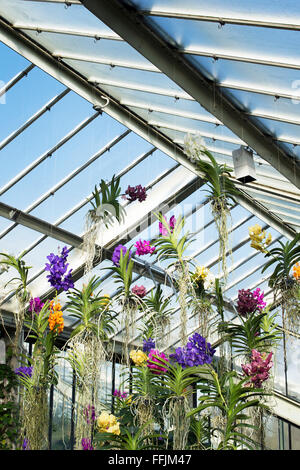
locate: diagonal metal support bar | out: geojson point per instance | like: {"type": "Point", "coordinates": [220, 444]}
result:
{"type": "Point", "coordinates": [68, 178]}
{"type": "Point", "coordinates": [221, 20]}
{"type": "Point", "coordinates": [85, 201]}
{"type": "Point", "coordinates": [33, 118]}
{"type": "Point", "coordinates": [247, 60]}
{"type": "Point", "coordinates": [16, 79]}
{"type": "Point", "coordinates": [38, 225]}
{"type": "Point", "coordinates": [62, 30]}
{"type": "Point", "coordinates": [130, 25]}
{"type": "Point", "coordinates": [106, 61]}
{"type": "Point", "coordinates": [48, 153]}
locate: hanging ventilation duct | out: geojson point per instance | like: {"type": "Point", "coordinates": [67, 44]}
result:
{"type": "Point", "coordinates": [244, 165]}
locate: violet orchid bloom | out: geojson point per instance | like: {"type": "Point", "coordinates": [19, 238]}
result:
{"type": "Point", "coordinates": [144, 248]}
{"type": "Point", "coordinates": [86, 444]}
{"type": "Point", "coordinates": [196, 352]}
{"type": "Point", "coordinates": [35, 305]}
{"type": "Point", "coordinates": [117, 254]}
{"type": "Point", "coordinates": [59, 278]}
{"type": "Point", "coordinates": [90, 414]}
{"type": "Point", "coordinates": [171, 223]}
{"type": "Point", "coordinates": [24, 371]}
{"type": "Point", "coordinates": [135, 192]}
{"type": "Point", "coordinates": [148, 344]}
{"type": "Point", "coordinates": [25, 444]}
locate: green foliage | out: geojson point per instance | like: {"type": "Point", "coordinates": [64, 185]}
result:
{"type": "Point", "coordinates": [123, 273]}
{"type": "Point", "coordinates": [219, 299]}
{"type": "Point", "coordinates": [172, 246]}
{"type": "Point", "coordinates": [91, 310]}
{"type": "Point", "coordinates": [199, 434]}
{"type": "Point", "coordinates": [217, 178]}
{"type": "Point", "coordinates": [37, 324]}
{"type": "Point", "coordinates": [256, 331]}
{"type": "Point", "coordinates": [105, 202]}
{"type": "Point", "coordinates": [44, 351]}
{"type": "Point", "coordinates": [176, 381]}
{"type": "Point", "coordinates": [284, 257]}
{"type": "Point", "coordinates": [20, 266]}
{"type": "Point", "coordinates": [232, 398]}
{"type": "Point", "coordinates": [143, 381]}
{"type": "Point", "coordinates": [269, 327]}
{"type": "Point", "coordinates": [157, 303]}
{"type": "Point", "coordinates": [129, 439]}
{"type": "Point", "coordinates": [159, 308]}
{"type": "Point", "coordinates": [8, 408]}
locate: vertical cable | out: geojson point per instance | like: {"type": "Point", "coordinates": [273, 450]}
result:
{"type": "Point", "coordinates": [113, 383]}
{"type": "Point", "coordinates": [72, 431]}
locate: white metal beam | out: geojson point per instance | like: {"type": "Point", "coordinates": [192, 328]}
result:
{"type": "Point", "coordinates": [15, 79]}
{"type": "Point", "coordinates": [33, 118]}
{"type": "Point", "coordinates": [48, 153]}
{"type": "Point", "coordinates": [68, 178]}
{"type": "Point", "coordinates": [221, 20]}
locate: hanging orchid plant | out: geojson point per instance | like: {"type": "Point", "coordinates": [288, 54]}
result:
{"type": "Point", "coordinates": [178, 374]}
{"type": "Point", "coordinates": [106, 208]}
{"type": "Point", "coordinates": [171, 246]}
{"type": "Point", "coordinates": [45, 323]}
{"type": "Point", "coordinates": [228, 400]}
{"type": "Point", "coordinates": [19, 286]}
{"type": "Point", "coordinates": [283, 280]}
{"type": "Point", "coordinates": [88, 347]}
{"type": "Point", "coordinates": [159, 314]}
{"type": "Point", "coordinates": [221, 191]}
{"type": "Point", "coordinates": [128, 297]}
{"type": "Point", "coordinates": [142, 382]}
{"type": "Point", "coordinates": [203, 283]}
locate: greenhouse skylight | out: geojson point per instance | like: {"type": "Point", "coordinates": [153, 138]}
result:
{"type": "Point", "coordinates": [91, 91]}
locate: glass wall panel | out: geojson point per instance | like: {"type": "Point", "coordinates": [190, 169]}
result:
{"type": "Point", "coordinates": [295, 437]}
{"type": "Point", "coordinates": [293, 367]}
{"type": "Point", "coordinates": [271, 432]}
{"type": "Point", "coordinates": [61, 421]}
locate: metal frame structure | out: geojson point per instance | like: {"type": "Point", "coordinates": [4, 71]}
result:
{"type": "Point", "coordinates": [97, 97]}
{"type": "Point", "coordinates": [173, 185]}
{"type": "Point", "coordinates": [128, 24]}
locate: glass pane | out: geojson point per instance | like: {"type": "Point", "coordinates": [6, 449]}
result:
{"type": "Point", "coordinates": [295, 437]}
{"type": "Point", "coordinates": [271, 433]}
{"type": "Point", "coordinates": [293, 367]}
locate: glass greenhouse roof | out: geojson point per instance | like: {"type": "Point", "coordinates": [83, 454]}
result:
{"type": "Point", "coordinates": [84, 96]}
